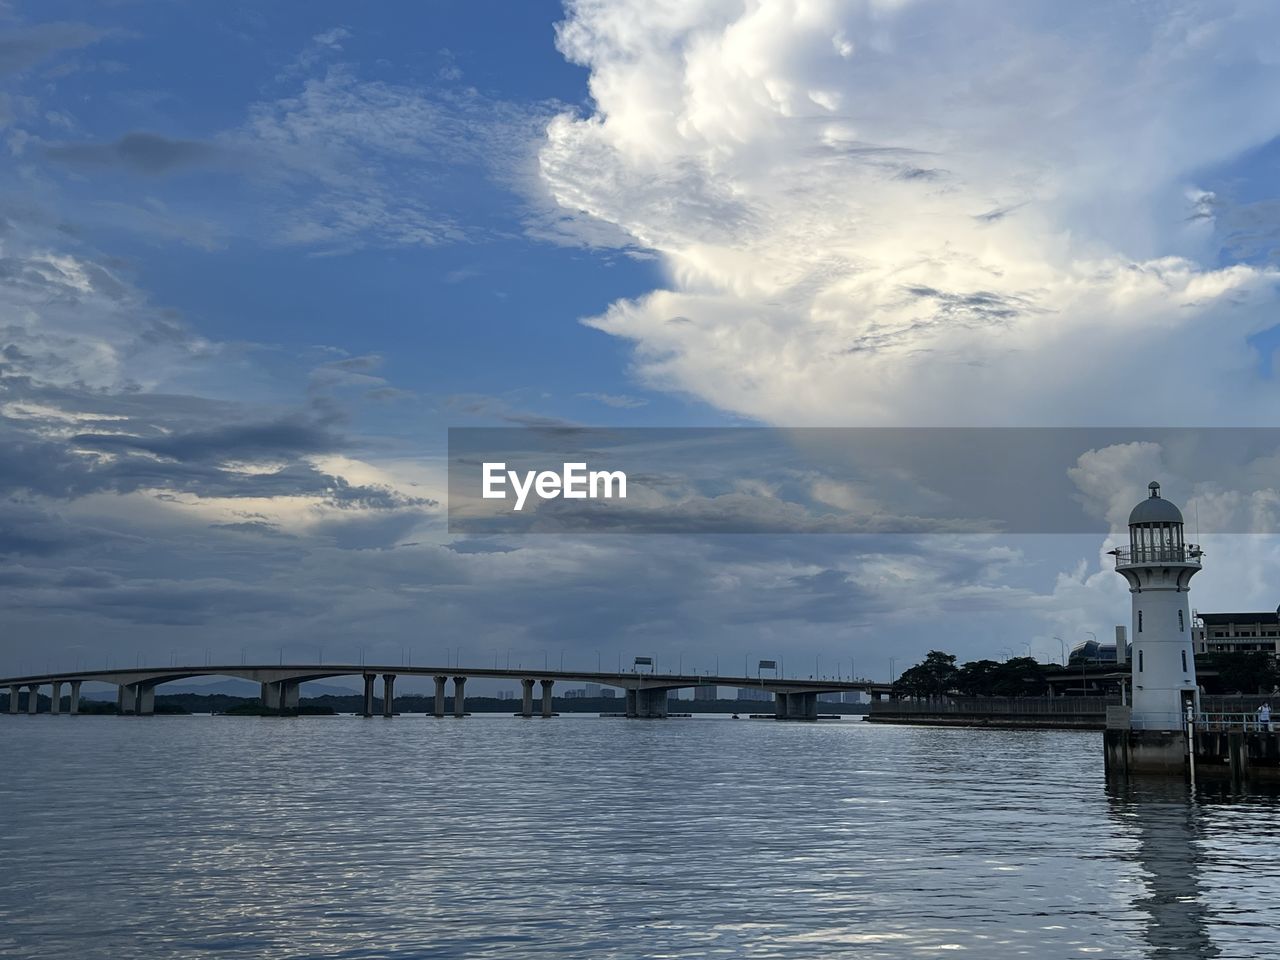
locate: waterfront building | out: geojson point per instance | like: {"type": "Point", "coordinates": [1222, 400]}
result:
{"type": "Point", "coordinates": [1235, 632]}
{"type": "Point", "coordinates": [706, 692]}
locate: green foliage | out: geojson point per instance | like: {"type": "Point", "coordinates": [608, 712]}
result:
{"type": "Point", "coordinates": [933, 677]}
{"type": "Point", "coordinates": [1250, 672]}
{"type": "Point", "coordinates": [938, 676]}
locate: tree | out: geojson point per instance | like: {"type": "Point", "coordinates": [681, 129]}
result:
{"type": "Point", "coordinates": [1017, 677]}
{"type": "Point", "coordinates": [932, 677]}
{"type": "Point", "coordinates": [1249, 672]}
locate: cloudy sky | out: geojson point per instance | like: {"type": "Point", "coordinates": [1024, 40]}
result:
{"type": "Point", "coordinates": [256, 259]}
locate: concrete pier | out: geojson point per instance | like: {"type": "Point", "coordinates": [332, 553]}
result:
{"type": "Point", "coordinates": [547, 685]}
{"type": "Point", "coordinates": [647, 703]}
{"type": "Point", "coordinates": [74, 706]}
{"type": "Point", "coordinates": [459, 696]}
{"type": "Point", "coordinates": [438, 707]}
{"type": "Point", "coordinates": [33, 698]}
{"type": "Point", "coordinates": [388, 694]}
{"type": "Point", "coordinates": [15, 692]}
{"type": "Point", "coordinates": [138, 699]}
{"type": "Point", "coordinates": [526, 697]}
{"type": "Point", "coordinates": [368, 694]}
{"type": "Point", "coordinates": [55, 697]}
{"type": "Point", "coordinates": [795, 706]}
{"type": "Point", "coordinates": [1237, 755]}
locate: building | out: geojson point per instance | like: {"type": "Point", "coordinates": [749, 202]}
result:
{"type": "Point", "coordinates": [608, 692]}
{"type": "Point", "coordinates": [1235, 632]}
{"type": "Point", "coordinates": [754, 693]}
{"type": "Point", "coordinates": [707, 691]}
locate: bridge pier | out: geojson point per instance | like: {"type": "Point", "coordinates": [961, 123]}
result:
{"type": "Point", "coordinates": [795, 706]}
{"type": "Point", "coordinates": [547, 685]}
{"type": "Point", "coordinates": [137, 699]}
{"type": "Point", "coordinates": [55, 697]}
{"type": "Point", "coordinates": [438, 706]}
{"type": "Point", "coordinates": [290, 692]}
{"type": "Point", "coordinates": [459, 696]}
{"type": "Point", "coordinates": [526, 697]}
{"type": "Point", "coordinates": [33, 697]}
{"type": "Point", "coordinates": [388, 694]}
{"type": "Point", "coordinates": [368, 694]}
{"type": "Point", "coordinates": [15, 692]}
{"type": "Point", "coordinates": [647, 704]}
{"type": "Point", "coordinates": [74, 707]}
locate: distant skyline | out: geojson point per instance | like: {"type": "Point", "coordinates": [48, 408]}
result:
{"type": "Point", "coordinates": [255, 260]}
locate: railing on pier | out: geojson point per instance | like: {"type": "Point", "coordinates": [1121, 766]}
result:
{"type": "Point", "coordinates": [1232, 721]}
{"type": "Point", "coordinates": [1000, 706]}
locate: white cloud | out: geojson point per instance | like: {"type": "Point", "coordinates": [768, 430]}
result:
{"type": "Point", "coordinates": [918, 212]}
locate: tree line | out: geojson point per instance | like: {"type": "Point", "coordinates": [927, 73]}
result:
{"type": "Point", "coordinates": [938, 676]}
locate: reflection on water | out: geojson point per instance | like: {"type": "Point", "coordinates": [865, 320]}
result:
{"type": "Point", "coordinates": [591, 838]}
{"type": "Point", "coordinates": [1167, 824]}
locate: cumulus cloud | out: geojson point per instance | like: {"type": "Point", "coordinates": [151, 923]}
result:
{"type": "Point", "coordinates": [918, 212]}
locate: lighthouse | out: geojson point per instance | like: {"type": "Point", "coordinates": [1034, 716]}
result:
{"type": "Point", "coordinates": [1158, 565]}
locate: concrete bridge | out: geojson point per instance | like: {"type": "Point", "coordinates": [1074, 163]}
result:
{"type": "Point", "coordinates": [646, 693]}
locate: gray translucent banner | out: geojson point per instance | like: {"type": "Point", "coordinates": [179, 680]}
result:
{"type": "Point", "coordinates": [857, 480]}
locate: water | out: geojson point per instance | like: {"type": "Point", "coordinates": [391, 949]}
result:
{"type": "Point", "coordinates": [580, 837]}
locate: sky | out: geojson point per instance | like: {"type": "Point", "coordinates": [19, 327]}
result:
{"type": "Point", "coordinates": [255, 260]}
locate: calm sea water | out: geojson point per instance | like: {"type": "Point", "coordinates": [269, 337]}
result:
{"type": "Point", "coordinates": [594, 838]}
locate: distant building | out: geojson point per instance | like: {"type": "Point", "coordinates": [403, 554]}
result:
{"type": "Point", "coordinates": [1091, 651]}
{"type": "Point", "coordinates": [853, 696]}
{"type": "Point", "coordinates": [706, 692]}
{"type": "Point", "coordinates": [1235, 632]}
{"type": "Point", "coordinates": [591, 690]}
{"type": "Point", "coordinates": [608, 692]}
{"type": "Point", "coordinates": [754, 693]}
{"type": "Point", "coordinates": [829, 697]}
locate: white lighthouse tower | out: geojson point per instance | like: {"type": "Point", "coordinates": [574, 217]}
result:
{"type": "Point", "coordinates": [1158, 565]}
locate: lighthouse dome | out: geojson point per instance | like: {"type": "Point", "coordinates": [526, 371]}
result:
{"type": "Point", "coordinates": [1155, 509]}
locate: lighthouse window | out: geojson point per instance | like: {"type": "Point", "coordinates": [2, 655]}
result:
{"type": "Point", "coordinates": [1179, 621]}
{"type": "Point", "coordinates": [1139, 621]}
{"type": "Point", "coordinates": [1184, 661]}
{"type": "Point", "coordinates": [1140, 652]}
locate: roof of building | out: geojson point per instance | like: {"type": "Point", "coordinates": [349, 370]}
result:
{"type": "Point", "coordinates": [1222, 618]}
{"type": "Point", "coordinates": [1155, 509]}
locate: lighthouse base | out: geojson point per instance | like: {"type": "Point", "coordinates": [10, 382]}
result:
{"type": "Point", "coordinates": [1237, 755]}
{"type": "Point", "coordinates": [1160, 752]}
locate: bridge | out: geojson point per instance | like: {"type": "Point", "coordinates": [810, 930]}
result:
{"type": "Point", "coordinates": [646, 693]}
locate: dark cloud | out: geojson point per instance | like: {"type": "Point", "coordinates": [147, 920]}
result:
{"type": "Point", "coordinates": [250, 441]}
{"type": "Point", "coordinates": [139, 152]}
{"type": "Point", "coordinates": [24, 47]}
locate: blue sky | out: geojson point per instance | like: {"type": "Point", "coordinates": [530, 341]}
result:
{"type": "Point", "coordinates": [256, 259]}
{"type": "Point", "coordinates": [494, 314]}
